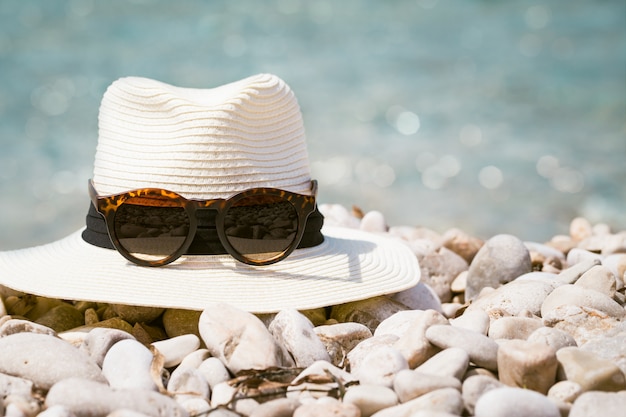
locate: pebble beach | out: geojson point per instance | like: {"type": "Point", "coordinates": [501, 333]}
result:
{"type": "Point", "coordinates": [496, 328]}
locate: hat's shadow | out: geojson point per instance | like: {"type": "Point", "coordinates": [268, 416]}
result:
{"type": "Point", "coordinates": [346, 255]}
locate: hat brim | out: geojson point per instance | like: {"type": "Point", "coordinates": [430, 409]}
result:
{"type": "Point", "coordinates": [349, 265]}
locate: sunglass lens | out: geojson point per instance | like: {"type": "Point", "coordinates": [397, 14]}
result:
{"type": "Point", "coordinates": [261, 228]}
{"type": "Point", "coordinates": [151, 229]}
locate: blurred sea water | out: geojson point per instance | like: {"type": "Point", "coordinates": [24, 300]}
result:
{"type": "Point", "coordinates": [494, 117]}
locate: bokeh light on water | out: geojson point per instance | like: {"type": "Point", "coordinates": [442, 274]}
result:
{"type": "Point", "coordinates": [489, 116]}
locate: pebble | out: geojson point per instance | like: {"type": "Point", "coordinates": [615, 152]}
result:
{"type": "Point", "coordinates": [596, 403]}
{"type": "Point", "coordinates": [281, 407]}
{"type": "Point", "coordinates": [374, 222]}
{"type": "Point", "coordinates": [358, 353]}
{"type": "Point", "coordinates": [13, 326]}
{"type": "Point", "coordinates": [527, 365]}
{"type": "Point", "coordinates": [481, 350]}
{"type": "Point", "coordinates": [575, 271]}
{"type": "Point", "coordinates": [127, 365]}
{"type": "Point", "coordinates": [579, 296]}
{"type": "Point", "coordinates": [554, 338]}
{"type": "Point", "coordinates": [341, 338]}
{"type": "Point", "coordinates": [241, 342]}
{"type": "Point", "coordinates": [514, 327]}
{"type": "Point", "coordinates": [413, 344]}
{"type": "Point", "coordinates": [369, 312]}
{"type": "Point", "coordinates": [474, 387]}
{"type": "Point", "coordinates": [599, 278]}
{"type": "Point", "coordinates": [370, 398]}
{"type": "Point", "coordinates": [515, 402]}
{"type": "Point", "coordinates": [90, 398]}
{"type": "Point", "coordinates": [475, 320]}
{"type": "Point", "coordinates": [462, 244]}
{"type": "Point", "coordinates": [419, 297]}
{"type": "Point", "coordinates": [447, 400]}
{"type": "Point", "coordinates": [334, 409]}
{"type": "Point", "coordinates": [582, 323]}
{"type": "Point", "coordinates": [611, 347]}
{"type": "Point", "coordinates": [296, 333]}
{"type": "Point", "coordinates": [500, 260]}
{"type": "Point", "coordinates": [399, 323]}
{"type": "Point", "coordinates": [515, 297]}
{"type": "Point", "coordinates": [61, 318]}
{"type": "Point", "coordinates": [177, 322]}
{"type": "Point", "coordinates": [380, 366]}
{"type": "Point", "coordinates": [176, 348]}
{"type": "Point", "coordinates": [410, 384]}
{"type": "Point", "coordinates": [452, 362]}
{"type": "Point", "coordinates": [136, 314]}
{"type": "Point", "coordinates": [188, 383]}
{"type": "Point", "coordinates": [45, 359]}
{"type": "Point", "coordinates": [439, 268]}
{"type": "Point", "coordinates": [99, 340]}
{"type": "Point", "coordinates": [565, 391]}
{"type": "Point", "coordinates": [589, 370]}
{"type": "Point", "coordinates": [214, 371]}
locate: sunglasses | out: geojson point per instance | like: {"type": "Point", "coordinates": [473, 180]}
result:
{"type": "Point", "coordinates": [154, 227]}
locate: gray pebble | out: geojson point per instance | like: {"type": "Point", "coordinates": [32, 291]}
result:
{"type": "Point", "coordinates": [515, 402]}
{"type": "Point", "coordinates": [481, 350]}
{"type": "Point", "coordinates": [44, 359]}
{"type": "Point", "coordinates": [127, 365]}
{"type": "Point", "coordinates": [597, 403]}
{"type": "Point", "coordinates": [240, 342]}
{"type": "Point", "coordinates": [410, 384]}
{"type": "Point", "coordinates": [88, 398]}
{"type": "Point", "coordinates": [500, 260]}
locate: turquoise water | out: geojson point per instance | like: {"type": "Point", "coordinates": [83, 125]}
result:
{"type": "Point", "coordinates": [489, 116]}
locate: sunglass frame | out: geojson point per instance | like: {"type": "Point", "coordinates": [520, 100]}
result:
{"type": "Point", "coordinates": [107, 206]}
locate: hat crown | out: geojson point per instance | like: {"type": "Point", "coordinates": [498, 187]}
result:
{"type": "Point", "coordinates": [201, 143]}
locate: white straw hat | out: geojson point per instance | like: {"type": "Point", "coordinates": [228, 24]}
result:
{"type": "Point", "coordinates": [207, 144]}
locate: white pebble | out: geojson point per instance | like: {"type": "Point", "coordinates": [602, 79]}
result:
{"type": "Point", "coordinates": [176, 348]}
